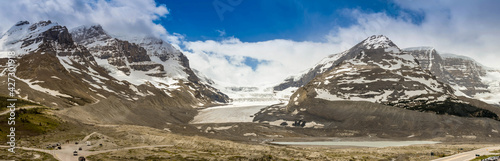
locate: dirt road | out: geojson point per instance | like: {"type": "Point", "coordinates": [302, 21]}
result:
{"type": "Point", "coordinates": [469, 155]}
{"type": "Point", "coordinates": [66, 152]}
{"type": "Point", "coordinates": [18, 108]}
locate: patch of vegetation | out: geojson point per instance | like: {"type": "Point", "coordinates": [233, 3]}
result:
{"type": "Point", "coordinates": [24, 155]}
{"type": "Point", "coordinates": [28, 123]}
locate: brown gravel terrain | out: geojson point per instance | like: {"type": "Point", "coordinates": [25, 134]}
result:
{"type": "Point", "coordinates": [224, 142]}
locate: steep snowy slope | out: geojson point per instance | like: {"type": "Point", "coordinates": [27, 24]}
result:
{"type": "Point", "coordinates": [466, 76]}
{"type": "Point", "coordinates": [24, 37]}
{"type": "Point", "coordinates": [303, 78]}
{"type": "Point", "coordinates": [484, 82]}
{"type": "Point", "coordinates": [145, 60]}
{"type": "Point", "coordinates": [492, 80]}
{"type": "Point", "coordinates": [429, 59]}
{"type": "Point", "coordinates": [175, 63]}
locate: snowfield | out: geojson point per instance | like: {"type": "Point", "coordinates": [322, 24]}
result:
{"type": "Point", "coordinates": [238, 112]}
{"type": "Point", "coordinates": [492, 79]}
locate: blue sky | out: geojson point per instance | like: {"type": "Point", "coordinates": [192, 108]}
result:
{"type": "Point", "coordinates": [260, 20]}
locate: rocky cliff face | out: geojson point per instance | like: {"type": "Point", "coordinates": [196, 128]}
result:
{"type": "Point", "coordinates": [144, 60]}
{"type": "Point", "coordinates": [177, 62]}
{"type": "Point", "coordinates": [429, 59]}
{"type": "Point", "coordinates": [465, 75]}
{"type": "Point", "coordinates": [123, 55]}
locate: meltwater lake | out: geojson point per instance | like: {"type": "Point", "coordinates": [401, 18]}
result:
{"type": "Point", "coordinates": [375, 144]}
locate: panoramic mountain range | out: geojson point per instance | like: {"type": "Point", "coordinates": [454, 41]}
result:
{"type": "Point", "coordinates": [96, 77]}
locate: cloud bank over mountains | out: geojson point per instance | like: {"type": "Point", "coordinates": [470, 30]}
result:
{"type": "Point", "coordinates": [468, 28]}
{"type": "Point", "coordinates": [116, 16]}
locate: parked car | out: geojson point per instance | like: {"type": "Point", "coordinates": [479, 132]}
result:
{"type": "Point", "coordinates": [80, 148]}
{"type": "Point", "coordinates": [75, 153]}
{"type": "Point", "coordinates": [81, 158]}
{"type": "Point", "coordinates": [477, 155]}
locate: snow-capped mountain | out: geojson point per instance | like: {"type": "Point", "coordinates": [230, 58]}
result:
{"type": "Point", "coordinates": [24, 38]}
{"type": "Point", "coordinates": [144, 60]}
{"type": "Point", "coordinates": [375, 88]}
{"type": "Point", "coordinates": [98, 69]}
{"type": "Point", "coordinates": [331, 61]}
{"type": "Point", "coordinates": [468, 77]}
{"type": "Point", "coordinates": [47, 48]}
{"type": "Point", "coordinates": [376, 71]}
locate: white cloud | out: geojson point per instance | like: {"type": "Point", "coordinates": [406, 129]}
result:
{"type": "Point", "coordinates": [116, 16]}
{"type": "Point", "coordinates": [175, 39]}
{"type": "Point", "coordinates": [285, 58]}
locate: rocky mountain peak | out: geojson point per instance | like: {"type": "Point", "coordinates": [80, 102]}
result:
{"type": "Point", "coordinates": [374, 48]}
{"type": "Point", "coordinates": [24, 38]}
{"type": "Point", "coordinates": [20, 23]}
{"type": "Point", "coordinates": [155, 47]}
{"type": "Point", "coordinates": [377, 41]}
{"type": "Point", "coordinates": [41, 24]}
{"type": "Point", "coordinates": [89, 34]}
